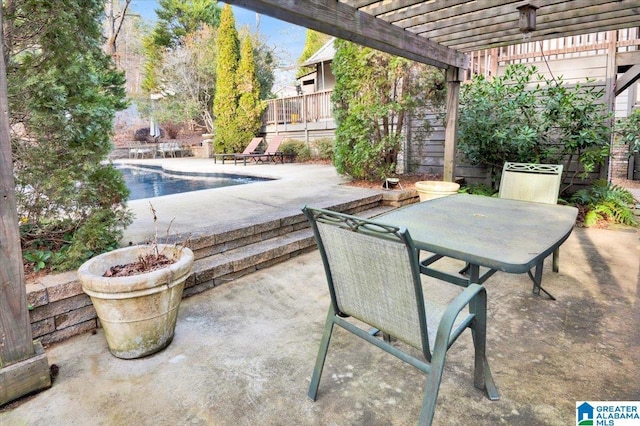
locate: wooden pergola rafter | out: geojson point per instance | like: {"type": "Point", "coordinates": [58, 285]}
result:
{"type": "Point", "coordinates": [343, 21]}
{"type": "Point", "coordinates": [461, 25]}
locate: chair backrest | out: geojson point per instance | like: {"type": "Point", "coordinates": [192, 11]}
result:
{"type": "Point", "coordinates": [531, 182]}
{"type": "Point", "coordinates": [373, 274]}
{"type": "Point", "coordinates": [253, 146]}
{"type": "Point", "coordinates": [274, 145]}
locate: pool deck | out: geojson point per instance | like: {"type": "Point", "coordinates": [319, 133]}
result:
{"type": "Point", "coordinates": [294, 186]}
{"type": "Point", "coordinates": [243, 352]}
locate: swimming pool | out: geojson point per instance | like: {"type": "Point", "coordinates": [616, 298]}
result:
{"type": "Point", "coordinates": [149, 181]}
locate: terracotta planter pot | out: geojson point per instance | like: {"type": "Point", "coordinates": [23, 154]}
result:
{"type": "Point", "coordinates": [138, 312]}
{"type": "Point", "coordinates": [430, 189]}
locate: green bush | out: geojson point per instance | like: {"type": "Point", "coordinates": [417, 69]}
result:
{"type": "Point", "coordinates": [299, 149]}
{"type": "Point", "coordinates": [63, 93]}
{"type": "Point", "coordinates": [96, 218]}
{"type": "Point", "coordinates": [605, 201]}
{"type": "Point", "coordinates": [478, 189]}
{"type": "Point", "coordinates": [374, 95]}
{"type": "Point", "coordinates": [522, 116]}
{"type": "Point", "coordinates": [628, 129]}
{"type": "Point", "coordinates": [325, 148]}
{"type": "Point", "coordinates": [225, 105]}
{"type": "Point", "coordinates": [38, 258]}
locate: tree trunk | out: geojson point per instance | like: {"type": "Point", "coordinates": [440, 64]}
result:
{"type": "Point", "coordinates": [114, 24]}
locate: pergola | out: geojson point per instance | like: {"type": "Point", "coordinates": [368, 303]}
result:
{"type": "Point", "coordinates": [434, 32]}
{"type": "Point", "coordinates": [440, 32]}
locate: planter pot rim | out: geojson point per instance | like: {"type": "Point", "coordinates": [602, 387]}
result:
{"type": "Point", "coordinates": [90, 273]}
{"type": "Point", "coordinates": [437, 185]}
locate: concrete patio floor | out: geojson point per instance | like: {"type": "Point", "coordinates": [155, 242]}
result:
{"type": "Point", "coordinates": [243, 354]}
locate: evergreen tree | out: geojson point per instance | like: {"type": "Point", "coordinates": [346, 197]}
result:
{"type": "Point", "coordinates": [176, 19]}
{"type": "Point", "coordinates": [374, 94]}
{"type": "Point", "coordinates": [150, 68]}
{"type": "Point", "coordinates": [264, 63]}
{"type": "Point", "coordinates": [250, 108]}
{"type": "Point", "coordinates": [225, 103]}
{"type": "Point", "coordinates": [63, 93]}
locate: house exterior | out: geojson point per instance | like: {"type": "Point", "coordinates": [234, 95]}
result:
{"type": "Point", "coordinates": [322, 79]}
{"type": "Point", "coordinates": [611, 59]}
{"type": "Point", "coordinates": [307, 115]}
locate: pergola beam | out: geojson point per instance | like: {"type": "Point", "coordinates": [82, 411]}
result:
{"type": "Point", "coordinates": [343, 21]}
{"type": "Point", "coordinates": [627, 79]}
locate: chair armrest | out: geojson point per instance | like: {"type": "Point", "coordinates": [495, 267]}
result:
{"type": "Point", "coordinates": [451, 313]}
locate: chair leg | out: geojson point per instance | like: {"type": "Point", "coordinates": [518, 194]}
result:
{"type": "Point", "coordinates": [556, 260]}
{"type": "Point", "coordinates": [432, 388]}
{"type": "Point", "coordinates": [322, 355]}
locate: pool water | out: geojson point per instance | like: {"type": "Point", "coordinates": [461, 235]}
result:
{"type": "Point", "coordinates": [149, 182]}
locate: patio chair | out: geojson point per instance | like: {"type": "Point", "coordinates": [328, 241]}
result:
{"type": "Point", "coordinates": [373, 274]}
{"type": "Point", "coordinates": [272, 153]}
{"type": "Point", "coordinates": [138, 150]}
{"type": "Point", "coordinates": [251, 149]}
{"type": "Point", "coordinates": [169, 149]}
{"type": "Point", "coordinates": [538, 183]}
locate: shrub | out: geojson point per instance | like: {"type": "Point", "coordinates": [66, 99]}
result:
{"type": "Point", "coordinates": [478, 189]}
{"type": "Point", "coordinates": [605, 201]}
{"type": "Point", "coordinates": [92, 227]}
{"type": "Point", "coordinates": [299, 149]}
{"type": "Point", "coordinates": [63, 92]}
{"type": "Point", "coordinates": [141, 135]}
{"type": "Point", "coordinates": [144, 134]}
{"type": "Point", "coordinates": [514, 118]}
{"type": "Point", "coordinates": [38, 258]}
{"type": "Point", "coordinates": [171, 129]}
{"type": "Point", "coordinates": [325, 147]}
{"type": "Point", "coordinates": [628, 129]}
{"type": "Point", "coordinates": [375, 93]}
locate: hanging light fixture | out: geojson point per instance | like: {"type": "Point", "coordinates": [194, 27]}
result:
{"type": "Point", "coordinates": [527, 18]}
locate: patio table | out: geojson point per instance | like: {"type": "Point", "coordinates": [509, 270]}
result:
{"type": "Point", "coordinates": [499, 234]}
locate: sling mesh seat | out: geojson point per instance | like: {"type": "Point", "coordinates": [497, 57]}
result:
{"type": "Point", "coordinates": [373, 274]}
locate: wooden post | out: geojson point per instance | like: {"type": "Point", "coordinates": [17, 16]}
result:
{"type": "Point", "coordinates": [610, 95]}
{"type": "Point", "coordinates": [305, 118]}
{"type": "Point", "coordinates": [23, 364]}
{"type": "Point", "coordinates": [276, 114]}
{"type": "Point", "coordinates": [451, 126]}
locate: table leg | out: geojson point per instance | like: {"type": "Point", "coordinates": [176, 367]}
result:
{"type": "Point", "coordinates": [464, 270]}
{"type": "Point", "coordinates": [473, 272]}
{"type": "Point", "coordinates": [537, 281]}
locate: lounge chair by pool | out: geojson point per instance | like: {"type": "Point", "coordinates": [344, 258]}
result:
{"type": "Point", "coordinates": [251, 149]}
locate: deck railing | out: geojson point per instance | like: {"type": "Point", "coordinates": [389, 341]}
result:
{"type": "Point", "coordinates": [486, 62]}
{"type": "Point", "coordinates": [298, 109]}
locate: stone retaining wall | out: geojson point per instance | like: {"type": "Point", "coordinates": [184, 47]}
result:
{"type": "Point", "coordinates": [59, 309]}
